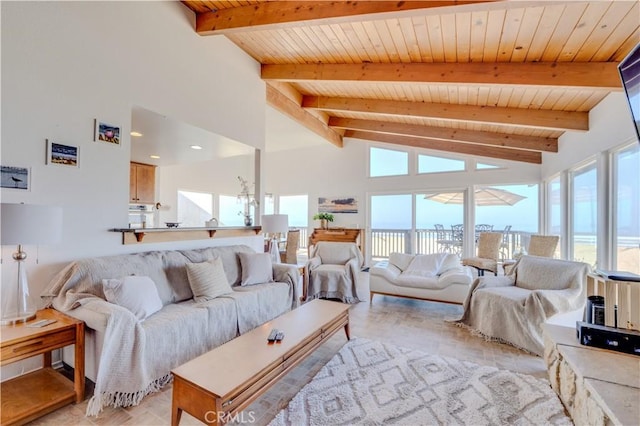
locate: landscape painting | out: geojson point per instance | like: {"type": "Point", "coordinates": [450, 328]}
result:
{"type": "Point", "coordinates": [15, 177]}
{"type": "Point", "coordinates": [106, 133]}
{"type": "Point", "coordinates": [63, 155]}
{"type": "Point", "coordinates": [337, 205]}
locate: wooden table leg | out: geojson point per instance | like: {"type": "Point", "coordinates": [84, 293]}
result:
{"type": "Point", "coordinates": [78, 372]}
{"type": "Point", "coordinates": [346, 330]}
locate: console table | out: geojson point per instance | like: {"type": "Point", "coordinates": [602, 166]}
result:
{"type": "Point", "coordinates": [596, 386]}
{"type": "Point", "coordinates": [345, 235]}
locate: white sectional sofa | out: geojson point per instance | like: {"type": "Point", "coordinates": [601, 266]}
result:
{"type": "Point", "coordinates": [128, 356]}
{"type": "Point", "coordinates": [438, 277]}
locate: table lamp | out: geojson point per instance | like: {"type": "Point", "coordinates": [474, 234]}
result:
{"type": "Point", "coordinates": [23, 224]}
{"type": "Point", "coordinates": [275, 224]}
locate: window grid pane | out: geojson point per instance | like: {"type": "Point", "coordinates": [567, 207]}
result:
{"type": "Point", "coordinates": [386, 162]}
{"type": "Point", "coordinates": [627, 217]}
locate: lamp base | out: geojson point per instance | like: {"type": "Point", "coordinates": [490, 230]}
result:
{"type": "Point", "coordinates": [18, 319]}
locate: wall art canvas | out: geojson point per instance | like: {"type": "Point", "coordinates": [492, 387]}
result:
{"type": "Point", "coordinates": [105, 132]}
{"type": "Point", "coordinates": [62, 155]}
{"type": "Point", "coordinates": [337, 205]}
{"type": "Point", "coordinates": [15, 178]}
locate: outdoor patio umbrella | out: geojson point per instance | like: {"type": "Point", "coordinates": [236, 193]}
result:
{"type": "Point", "coordinates": [484, 197]}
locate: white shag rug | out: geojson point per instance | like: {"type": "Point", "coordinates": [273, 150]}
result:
{"type": "Point", "coordinates": [373, 383]}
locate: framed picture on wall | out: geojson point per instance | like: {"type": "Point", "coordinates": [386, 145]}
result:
{"type": "Point", "coordinates": [18, 178]}
{"type": "Point", "coordinates": [63, 155]}
{"type": "Point", "coordinates": [105, 132]}
{"type": "Point", "coordinates": [337, 205]}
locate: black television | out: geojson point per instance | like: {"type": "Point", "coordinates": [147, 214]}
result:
{"type": "Point", "coordinates": [629, 69]}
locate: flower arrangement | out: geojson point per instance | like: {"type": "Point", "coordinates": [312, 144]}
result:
{"type": "Point", "coordinates": [247, 199]}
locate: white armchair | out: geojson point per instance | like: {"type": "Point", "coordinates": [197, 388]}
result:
{"type": "Point", "coordinates": [333, 271]}
{"type": "Point", "coordinates": [512, 308]}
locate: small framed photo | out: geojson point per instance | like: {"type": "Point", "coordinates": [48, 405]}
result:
{"type": "Point", "coordinates": [18, 178]}
{"type": "Point", "coordinates": [63, 155]}
{"type": "Point", "coordinates": [105, 132]}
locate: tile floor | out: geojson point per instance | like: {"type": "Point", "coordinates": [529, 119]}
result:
{"type": "Point", "coordinates": [403, 322]}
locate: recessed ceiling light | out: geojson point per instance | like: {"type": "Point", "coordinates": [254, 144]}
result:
{"type": "Point", "coordinates": [195, 147]}
{"type": "Point", "coordinates": [136, 134]}
{"type": "Point", "coordinates": [155, 157]}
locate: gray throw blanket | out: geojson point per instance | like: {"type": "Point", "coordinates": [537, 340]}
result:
{"type": "Point", "coordinates": [512, 308]}
{"type": "Point", "coordinates": [137, 357]}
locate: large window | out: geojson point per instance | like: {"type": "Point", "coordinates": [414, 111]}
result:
{"type": "Point", "coordinates": [511, 209]}
{"type": "Point", "coordinates": [554, 211]}
{"type": "Point", "coordinates": [297, 208]}
{"type": "Point", "coordinates": [584, 217]}
{"type": "Point", "coordinates": [387, 162]}
{"type": "Point", "coordinates": [432, 164]}
{"type": "Point", "coordinates": [194, 208]}
{"type": "Point", "coordinates": [231, 211]}
{"type": "Point", "coordinates": [626, 255]}
{"type": "Point", "coordinates": [439, 218]}
{"type": "Point", "coordinates": [391, 219]}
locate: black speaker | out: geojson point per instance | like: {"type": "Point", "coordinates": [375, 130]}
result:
{"type": "Point", "coordinates": [616, 339]}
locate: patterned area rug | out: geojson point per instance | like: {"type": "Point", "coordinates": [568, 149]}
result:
{"type": "Point", "coordinates": [373, 383]}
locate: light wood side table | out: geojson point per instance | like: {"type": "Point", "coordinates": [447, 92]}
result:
{"type": "Point", "coordinates": [29, 396]}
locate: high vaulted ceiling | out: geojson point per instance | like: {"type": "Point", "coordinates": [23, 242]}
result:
{"type": "Point", "coordinates": [501, 79]}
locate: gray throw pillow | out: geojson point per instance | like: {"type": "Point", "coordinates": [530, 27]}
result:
{"type": "Point", "coordinates": [207, 280]}
{"type": "Point", "coordinates": [137, 294]}
{"type": "Point", "coordinates": [256, 268]}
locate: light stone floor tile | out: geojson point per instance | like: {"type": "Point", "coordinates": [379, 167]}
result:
{"type": "Point", "coordinates": [403, 322]}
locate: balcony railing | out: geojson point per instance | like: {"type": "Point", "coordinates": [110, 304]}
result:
{"type": "Point", "coordinates": [386, 241]}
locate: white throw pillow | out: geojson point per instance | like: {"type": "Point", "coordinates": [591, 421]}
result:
{"type": "Point", "coordinates": [207, 280]}
{"type": "Point", "coordinates": [256, 268]}
{"type": "Point", "coordinates": [450, 261]}
{"type": "Point", "coordinates": [401, 260]}
{"type": "Point", "coordinates": [137, 294]}
{"type": "Point", "coordinates": [425, 265]}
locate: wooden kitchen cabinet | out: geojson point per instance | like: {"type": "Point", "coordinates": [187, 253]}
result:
{"type": "Point", "coordinates": [142, 183]}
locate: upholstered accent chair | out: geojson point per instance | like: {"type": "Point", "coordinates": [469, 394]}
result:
{"type": "Point", "coordinates": [539, 245]}
{"type": "Point", "coordinates": [512, 308]}
{"type": "Point", "coordinates": [290, 252]}
{"type": "Point", "coordinates": [487, 255]}
{"type": "Point", "coordinates": [543, 245]}
{"type": "Point", "coordinates": [333, 271]}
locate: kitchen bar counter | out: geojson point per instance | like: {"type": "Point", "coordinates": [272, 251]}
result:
{"type": "Point", "coordinates": [159, 235]}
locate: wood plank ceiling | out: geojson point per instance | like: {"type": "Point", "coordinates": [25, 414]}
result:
{"type": "Point", "coordinates": [501, 79]}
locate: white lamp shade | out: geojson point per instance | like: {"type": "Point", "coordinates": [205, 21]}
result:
{"type": "Point", "coordinates": [30, 224]}
{"type": "Point", "coordinates": [275, 223]}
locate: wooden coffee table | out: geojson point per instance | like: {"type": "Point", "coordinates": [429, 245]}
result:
{"type": "Point", "coordinates": [214, 387]}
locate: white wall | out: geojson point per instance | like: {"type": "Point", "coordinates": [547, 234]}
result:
{"type": "Point", "coordinates": [66, 63]}
{"type": "Point", "coordinates": [610, 125]}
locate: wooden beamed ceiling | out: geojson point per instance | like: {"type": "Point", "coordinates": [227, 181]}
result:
{"type": "Point", "coordinates": [500, 79]}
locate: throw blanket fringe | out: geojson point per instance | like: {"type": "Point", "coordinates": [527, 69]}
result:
{"type": "Point", "coordinates": [487, 338]}
{"type": "Point", "coordinates": [119, 399]}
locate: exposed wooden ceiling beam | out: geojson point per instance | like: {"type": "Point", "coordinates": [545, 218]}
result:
{"type": "Point", "coordinates": [279, 14]}
{"type": "Point", "coordinates": [287, 106]}
{"type": "Point", "coordinates": [452, 135]}
{"type": "Point", "coordinates": [457, 147]}
{"type": "Point", "coordinates": [602, 75]}
{"type": "Point", "coordinates": [548, 119]}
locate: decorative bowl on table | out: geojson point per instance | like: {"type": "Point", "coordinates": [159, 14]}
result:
{"type": "Point", "coordinates": [172, 224]}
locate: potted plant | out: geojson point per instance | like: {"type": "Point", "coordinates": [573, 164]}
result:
{"type": "Point", "coordinates": [324, 218]}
